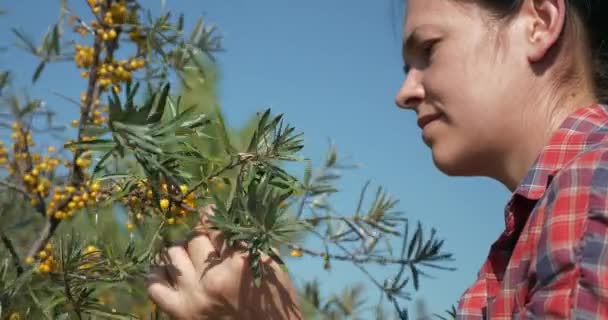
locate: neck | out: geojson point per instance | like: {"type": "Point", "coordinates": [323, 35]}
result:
{"type": "Point", "coordinates": [541, 120]}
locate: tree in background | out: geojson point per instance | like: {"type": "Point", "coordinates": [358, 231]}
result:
{"type": "Point", "coordinates": [83, 218]}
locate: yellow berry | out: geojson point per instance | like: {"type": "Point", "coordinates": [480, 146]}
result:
{"type": "Point", "coordinates": [84, 74]}
{"type": "Point", "coordinates": [91, 248]}
{"type": "Point", "coordinates": [74, 123]}
{"type": "Point", "coordinates": [296, 253]}
{"type": "Point", "coordinates": [164, 203]}
{"type": "Point", "coordinates": [112, 34]}
{"type": "Point", "coordinates": [42, 254]}
{"type": "Point", "coordinates": [29, 260]}
{"type": "Point", "coordinates": [130, 226]}
{"type": "Point", "coordinates": [183, 188]}
{"type": "Point", "coordinates": [44, 268]}
{"type": "Point", "coordinates": [48, 246]}
{"type": "Point", "coordinates": [171, 220]}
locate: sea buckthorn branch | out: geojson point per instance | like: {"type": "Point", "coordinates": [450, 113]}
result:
{"type": "Point", "coordinates": [88, 58]}
{"type": "Point", "coordinates": [364, 237]}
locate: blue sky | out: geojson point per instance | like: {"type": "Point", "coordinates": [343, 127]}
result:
{"type": "Point", "coordinates": [333, 68]}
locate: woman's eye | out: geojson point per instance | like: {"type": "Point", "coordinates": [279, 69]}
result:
{"type": "Point", "coordinates": [428, 49]}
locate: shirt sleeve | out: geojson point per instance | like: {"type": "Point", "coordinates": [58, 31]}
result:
{"type": "Point", "coordinates": [571, 265]}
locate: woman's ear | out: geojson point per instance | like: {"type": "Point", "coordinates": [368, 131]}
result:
{"type": "Point", "coordinates": [546, 22]}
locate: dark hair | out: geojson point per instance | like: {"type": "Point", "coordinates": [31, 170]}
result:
{"type": "Point", "coordinates": [592, 14]}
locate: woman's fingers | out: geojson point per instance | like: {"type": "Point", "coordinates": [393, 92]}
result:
{"type": "Point", "coordinates": [180, 266]}
{"type": "Point", "coordinates": [201, 252]}
{"type": "Point", "coordinates": [205, 244]}
{"type": "Point", "coordinates": [175, 266]}
{"type": "Point", "coordinates": [160, 290]}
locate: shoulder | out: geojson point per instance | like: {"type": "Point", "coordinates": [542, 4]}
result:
{"type": "Point", "coordinates": [585, 176]}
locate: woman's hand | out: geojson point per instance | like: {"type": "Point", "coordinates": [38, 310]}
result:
{"type": "Point", "coordinates": [205, 279]}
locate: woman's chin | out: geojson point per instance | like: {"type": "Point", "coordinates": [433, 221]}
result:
{"type": "Point", "coordinates": [451, 164]}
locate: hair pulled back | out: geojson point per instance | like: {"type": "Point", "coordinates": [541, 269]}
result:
{"type": "Point", "coordinates": [593, 15]}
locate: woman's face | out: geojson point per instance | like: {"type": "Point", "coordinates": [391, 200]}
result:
{"type": "Point", "coordinates": [466, 82]}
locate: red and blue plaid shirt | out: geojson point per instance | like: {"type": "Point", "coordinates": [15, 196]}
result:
{"type": "Point", "coordinates": [551, 262]}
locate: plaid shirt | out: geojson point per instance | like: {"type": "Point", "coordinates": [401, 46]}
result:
{"type": "Point", "coordinates": [551, 262]}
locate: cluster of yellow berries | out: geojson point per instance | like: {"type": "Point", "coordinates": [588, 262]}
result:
{"type": "Point", "coordinates": [35, 180]}
{"type": "Point", "coordinates": [175, 207]}
{"type": "Point", "coordinates": [142, 197]}
{"type": "Point", "coordinates": [84, 56]}
{"type": "Point", "coordinates": [66, 200]}
{"type": "Point", "coordinates": [36, 184]}
{"type": "Point", "coordinates": [116, 15]}
{"type": "Point", "coordinates": [107, 35]}
{"type": "Point", "coordinates": [97, 117]}
{"type": "Point", "coordinates": [48, 263]}
{"type": "Point", "coordinates": [97, 112]}
{"type": "Point", "coordinates": [118, 71]}
{"type": "Point", "coordinates": [21, 139]}
{"type": "Point", "coordinates": [84, 161]}
{"type": "Point", "coordinates": [3, 154]}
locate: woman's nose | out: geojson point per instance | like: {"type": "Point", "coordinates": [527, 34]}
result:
{"type": "Point", "coordinates": [411, 93]}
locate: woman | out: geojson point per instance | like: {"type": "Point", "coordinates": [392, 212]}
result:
{"type": "Point", "coordinates": [508, 89]}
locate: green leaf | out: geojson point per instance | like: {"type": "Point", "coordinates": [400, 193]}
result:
{"type": "Point", "coordinates": [114, 176]}
{"type": "Point", "coordinates": [95, 145]}
{"type": "Point", "coordinates": [55, 41]}
{"type": "Point", "coordinates": [4, 79]}
{"type": "Point", "coordinates": [94, 130]}
{"type": "Point", "coordinates": [38, 71]}
{"type": "Point", "coordinates": [158, 108]}
{"type": "Point", "coordinates": [26, 41]}
{"type": "Point", "coordinates": [180, 23]}
{"type": "Point", "coordinates": [100, 164]}
{"type": "Point", "coordinates": [413, 242]}
{"type": "Point", "coordinates": [415, 276]}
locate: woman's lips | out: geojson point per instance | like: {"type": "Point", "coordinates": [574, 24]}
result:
{"type": "Point", "coordinates": [428, 118]}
